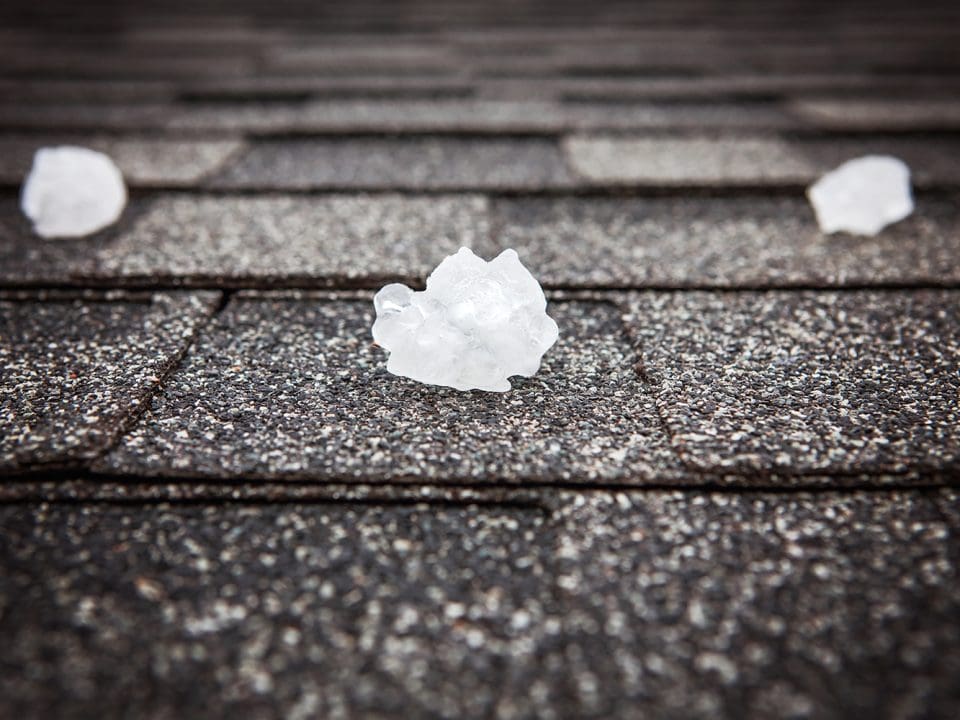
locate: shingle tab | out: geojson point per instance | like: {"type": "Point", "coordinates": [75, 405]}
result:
{"type": "Point", "coordinates": [328, 240]}
{"type": "Point", "coordinates": [380, 116]}
{"type": "Point", "coordinates": [294, 388]}
{"type": "Point", "coordinates": [664, 161]}
{"type": "Point", "coordinates": [721, 242]}
{"type": "Point", "coordinates": [465, 115]}
{"type": "Point", "coordinates": [398, 164]}
{"type": "Point", "coordinates": [753, 161]}
{"type": "Point", "coordinates": [93, 117]}
{"type": "Point", "coordinates": [879, 114]}
{"type": "Point", "coordinates": [805, 382]}
{"type": "Point", "coordinates": [157, 162]}
{"type": "Point", "coordinates": [73, 373]}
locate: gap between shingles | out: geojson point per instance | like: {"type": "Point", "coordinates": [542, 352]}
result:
{"type": "Point", "coordinates": [129, 421]}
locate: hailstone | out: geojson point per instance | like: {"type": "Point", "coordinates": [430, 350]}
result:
{"type": "Point", "coordinates": [72, 192]}
{"type": "Point", "coordinates": [477, 324]}
{"type": "Point", "coordinates": [863, 195]}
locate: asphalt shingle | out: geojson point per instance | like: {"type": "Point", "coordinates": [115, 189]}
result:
{"type": "Point", "coordinates": [615, 604]}
{"type": "Point", "coordinates": [733, 161]}
{"type": "Point", "coordinates": [758, 606]}
{"type": "Point", "coordinates": [721, 242]}
{"type": "Point", "coordinates": [74, 372]}
{"type": "Point", "coordinates": [334, 240]}
{"type": "Point", "coordinates": [398, 164]}
{"type": "Point", "coordinates": [349, 611]}
{"type": "Point", "coordinates": [660, 161]}
{"type": "Point", "coordinates": [290, 388]}
{"type": "Point", "coordinates": [144, 161]}
{"type": "Point", "coordinates": [805, 382]}
{"type": "Point", "coordinates": [876, 114]}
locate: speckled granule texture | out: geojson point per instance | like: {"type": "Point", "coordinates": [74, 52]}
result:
{"type": "Point", "coordinates": [820, 382]}
{"type": "Point", "coordinates": [725, 242]}
{"type": "Point", "coordinates": [729, 493]}
{"type": "Point", "coordinates": [395, 163]}
{"type": "Point", "coordinates": [754, 605]}
{"type": "Point", "coordinates": [295, 388]}
{"type": "Point", "coordinates": [663, 604]}
{"type": "Point", "coordinates": [342, 238]}
{"type": "Point", "coordinates": [73, 372]}
{"type": "Point", "coordinates": [308, 611]}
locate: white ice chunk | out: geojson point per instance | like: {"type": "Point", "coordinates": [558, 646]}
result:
{"type": "Point", "coordinates": [72, 192]}
{"type": "Point", "coordinates": [477, 324]}
{"type": "Point", "coordinates": [863, 195]}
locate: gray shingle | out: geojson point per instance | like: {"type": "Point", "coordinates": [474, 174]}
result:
{"type": "Point", "coordinates": [753, 161]}
{"type": "Point", "coordinates": [805, 382]}
{"type": "Point", "coordinates": [464, 115]}
{"type": "Point", "coordinates": [381, 116]}
{"type": "Point", "coordinates": [659, 161]}
{"type": "Point", "coordinates": [879, 114]}
{"type": "Point", "coordinates": [74, 372]}
{"type": "Point", "coordinates": [329, 240]}
{"type": "Point", "coordinates": [25, 258]}
{"type": "Point", "coordinates": [757, 86]}
{"type": "Point", "coordinates": [725, 242]}
{"type": "Point", "coordinates": [283, 86]}
{"type": "Point", "coordinates": [94, 117]}
{"type": "Point", "coordinates": [410, 164]}
{"type": "Point", "coordinates": [163, 162]}
{"type": "Point", "coordinates": [934, 162]}
{"type": "Point", "coordinates": [294, 388]}
{"type": "Point", "coordinates": [86, 91]}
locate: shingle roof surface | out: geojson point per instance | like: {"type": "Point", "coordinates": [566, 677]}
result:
{"type": "Point", "coordinates": [729, 492]}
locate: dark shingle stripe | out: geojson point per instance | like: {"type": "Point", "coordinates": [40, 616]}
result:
{"type": "Point", "coordinates": [467, 116]}
{"type": "Point", "coordinates": [400, 164]}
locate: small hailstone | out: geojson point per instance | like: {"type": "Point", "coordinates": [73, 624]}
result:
{"type": "Point", "coordinates": [72, 192]}
{"type": "Point", "coordinates": [862, 196]}
{"type": "Point", "coordinates": [476, 324]}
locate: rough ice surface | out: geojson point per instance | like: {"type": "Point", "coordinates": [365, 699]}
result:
{"type": "Point", "coordinates": [476, 324]}
{"type": "Point", "coordinates": [863, 195]}
{"type": "Point", "coordinates": [72, 192]}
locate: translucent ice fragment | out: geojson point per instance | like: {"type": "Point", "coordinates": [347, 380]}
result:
{"type": "Point", "coordinates": [862, 196]}
{"type": "Point", "coordinates": [476, 324]}
{"type": "Point", "coordinates": [72, 192]}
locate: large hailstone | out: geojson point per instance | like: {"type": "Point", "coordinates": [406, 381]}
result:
{"type": "Point", "coordinates": [72, 192]}
{"type": "Point", "coordinates": [475, 325]}
{"type": "Point", "coordinates": [862, 196]}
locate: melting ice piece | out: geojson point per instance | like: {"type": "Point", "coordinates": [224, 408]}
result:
{"type": "Point", "coordinates": [475, 325]}
{"type": "Point", "coordinates": [72, 192]}
{"type": "Point", "coordinates": [862, 196]}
